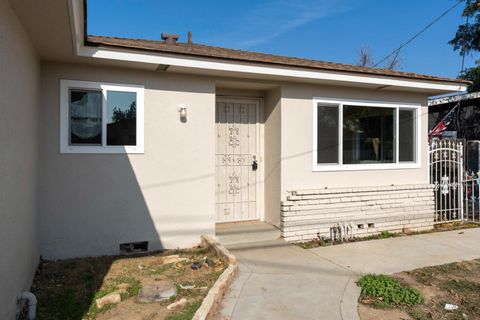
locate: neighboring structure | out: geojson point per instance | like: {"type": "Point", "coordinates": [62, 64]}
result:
{"type": "Point", "coordinates": [463, 111]}
{"type": "Point", "coordinates": [466, 118]}
{"type": "Point", "coordinates": [108, 141]}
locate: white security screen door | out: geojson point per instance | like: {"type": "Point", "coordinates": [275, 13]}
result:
{"type": "Point", "coordinates": [236, 160]}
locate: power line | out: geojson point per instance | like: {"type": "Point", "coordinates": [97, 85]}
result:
{"type": "Point", "coordinates": [418, 33]}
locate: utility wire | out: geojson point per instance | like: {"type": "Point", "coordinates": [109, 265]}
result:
{"type": "Point", "coordinates": [419, 33]}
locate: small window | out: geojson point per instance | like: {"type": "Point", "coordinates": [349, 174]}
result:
{"type": "Point", "coordinates": [101, 118]}
{"type": "Point", "coordinates": [85, 116]}
{"type": "Point", "coordinates": [121, 118]}
{"type": "Point", "coordinates": [327, 135]}
{"type": "Point", "coordinates": [407, 134]}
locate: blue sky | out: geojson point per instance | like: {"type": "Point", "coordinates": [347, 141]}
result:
{"type": "Point", "coordinates": [330, 30]}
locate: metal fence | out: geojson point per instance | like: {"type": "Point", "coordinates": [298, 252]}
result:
{"type": "Point", "coordinates": [471, 207]}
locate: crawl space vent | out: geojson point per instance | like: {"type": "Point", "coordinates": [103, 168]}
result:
{"type": "Point", "coordinates": [133, 247]}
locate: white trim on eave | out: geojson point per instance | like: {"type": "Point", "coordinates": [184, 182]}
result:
{"type": "Point", "coordinates": [75, 9]}
{"type": "Point", "coordinates": [76, 18]}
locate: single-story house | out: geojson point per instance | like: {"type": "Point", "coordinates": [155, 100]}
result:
{"type": "Point", "coordinates": [112, 143]}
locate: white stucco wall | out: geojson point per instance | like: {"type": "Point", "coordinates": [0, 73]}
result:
{"type": "Point", "coordinates": [297, 137]}
{"type": "Point", "coordinates": [19, 89]}
{"type": "Point", "coordinates": [272, 162]}
{"type": "Point", "coordinates": [90, 203]}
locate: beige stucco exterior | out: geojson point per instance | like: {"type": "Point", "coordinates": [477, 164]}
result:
{"type": "Point", "coordinates": [164, 196]}
{"type": "Point", "coordinates": [273, 155]}
{"type": "Point", "coordinates": [19, 100]}
{"type": "Point", "coordinates": [297, 137]}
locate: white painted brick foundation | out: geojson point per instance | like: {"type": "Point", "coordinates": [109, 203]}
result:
{"type": "Point", "coordinates": [309, 213]}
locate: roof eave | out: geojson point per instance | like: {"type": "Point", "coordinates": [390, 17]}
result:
{"type": "Point", "coordinates": [228, 67]}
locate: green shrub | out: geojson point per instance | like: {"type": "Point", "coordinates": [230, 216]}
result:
{"type": "Point", "coordinates": [187, 313]}
{"type": "Point", "coordinates": [386, 291]}
{"type": "Point", "coordinates": [381, 235]}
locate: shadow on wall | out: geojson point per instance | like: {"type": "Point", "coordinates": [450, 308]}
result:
{"type": "Point", "coordinates": [98, 205]}
{"type": "Point", "coordinates": [101, 206]}
{"type": "Point", "coordinates": [91, 203]}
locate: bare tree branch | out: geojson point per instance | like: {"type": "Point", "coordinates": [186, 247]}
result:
{"type": "Point", "coordinates": [365, 57]}
{"type": "Point", "coordinates": [393, 63]}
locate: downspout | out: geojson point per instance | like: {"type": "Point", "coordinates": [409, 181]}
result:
{"type": "Point", "coordinates": [31, 303]}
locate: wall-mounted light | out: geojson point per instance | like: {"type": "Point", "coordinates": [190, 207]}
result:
{"type": "Point", "coordinates": [182, 109]}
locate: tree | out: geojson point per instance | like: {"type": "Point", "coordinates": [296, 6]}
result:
{"type": "Point", "coordinates": [365, 59]}
{"type": "Point", "coordinates": [472, 74]}
{"type": "Point", "coordinates": [128, 114]}
{"type": "Point", "coordinates": [467, 41]}
{"type": "Point", "coordinates": [393, 63]}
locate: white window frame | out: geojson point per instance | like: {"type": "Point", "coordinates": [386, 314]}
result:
{"type": "Point", "coordinates": [366, 166]}
{"type": "Point", "coordinates": [67, 85]}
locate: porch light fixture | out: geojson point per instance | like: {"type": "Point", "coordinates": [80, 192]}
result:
{"type": "Point", "coordinates": [182, 109]}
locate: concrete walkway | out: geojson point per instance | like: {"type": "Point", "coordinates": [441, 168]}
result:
{"type": "Point", "coordinates": [281, 281]}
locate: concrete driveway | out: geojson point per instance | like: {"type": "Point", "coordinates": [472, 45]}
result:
{"type": "Point", "coordinates": [278, 280]}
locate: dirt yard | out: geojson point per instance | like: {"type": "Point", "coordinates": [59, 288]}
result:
{"type": "Point", "coordinates": [69, 289]}
{"type": "Point", "coordinates": [456, 283]}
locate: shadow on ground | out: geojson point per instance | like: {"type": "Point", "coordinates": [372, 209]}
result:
{"type": "Point", "coordinates": [66, 289]}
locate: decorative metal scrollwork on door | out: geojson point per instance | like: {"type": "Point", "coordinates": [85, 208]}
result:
{"type": "Point", "coordinates": [227, 159]}
{"type": "Point", "coordinates": [237, 139]}
{"type": "Point", "coordinates": [233, 136]}
{"type": "Point", "coordinates": [226, 211]}
{"type": "Point", "coordinates": [241, 159]}
{"type": "Point", "coordinates": [234, 185]}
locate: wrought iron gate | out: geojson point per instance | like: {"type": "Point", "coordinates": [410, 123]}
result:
{"type": "Point", "coordinates": [447, 177]}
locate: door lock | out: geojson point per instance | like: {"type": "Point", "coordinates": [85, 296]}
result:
{"type": "Point", "coordinates": [254, 164]}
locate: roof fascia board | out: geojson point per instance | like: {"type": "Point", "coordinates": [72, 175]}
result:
{"type": "Point", "coordinates": [78, 33]}
{"type": "Point", "coordinates": [76, 8]}
{"type": "Point", "coordinates": [262, 70]}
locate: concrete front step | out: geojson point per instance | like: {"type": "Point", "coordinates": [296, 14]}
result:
{"type": "Point", "coordinates": [236, 233]}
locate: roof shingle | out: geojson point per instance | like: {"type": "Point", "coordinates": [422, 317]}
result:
{"type": "Point", "coordinates": [248, 56]}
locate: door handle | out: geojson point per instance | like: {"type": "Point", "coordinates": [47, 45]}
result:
{"type": "Point", "coordinates": [254, 164]}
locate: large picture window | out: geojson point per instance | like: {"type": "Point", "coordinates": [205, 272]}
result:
{"type": "Point", "coordinates": [368, 134]}
{"type": "Point", "coordinates": [364, 135]}
{"type": "Point", "coordinates": [101, 118]}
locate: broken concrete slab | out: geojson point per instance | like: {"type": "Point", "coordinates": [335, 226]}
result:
{"type": "Point", "coordinates": [178, 304]}
{"type": "Point", "coordinates": [174, 258]}
{"type": "Point", "coordinates": [160, 290]}
{"type": "Point", "coordinates": [111, 298]}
